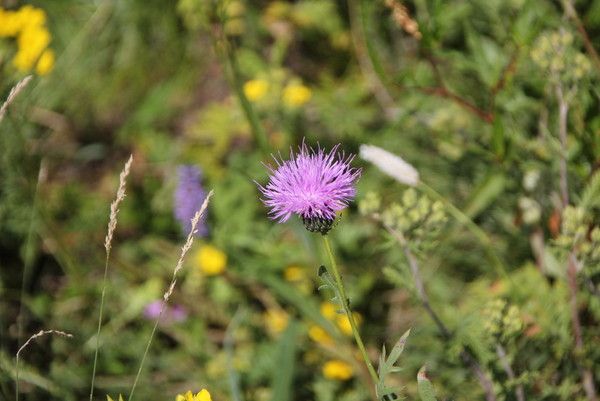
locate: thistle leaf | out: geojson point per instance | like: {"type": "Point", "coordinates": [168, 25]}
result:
{"type": "Point", "coordinates": [398, 348]}
{"type": "Point", "coordinates": [386, 367]}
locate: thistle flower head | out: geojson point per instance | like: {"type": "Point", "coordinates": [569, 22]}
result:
{"type": "Point", "coordinates": [188, 198]}
{"type": "Point", "coordinates": [313, 184]}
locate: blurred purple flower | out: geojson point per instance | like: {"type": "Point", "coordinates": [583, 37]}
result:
{"type": "Point", "coordinates": [188, 198]}
{"type": "Point", "coordinates": [312, 184]}
{"type": "Point", "coordinates": [176, 313]}
{"type": "Point", "coordinates": [152, 310]}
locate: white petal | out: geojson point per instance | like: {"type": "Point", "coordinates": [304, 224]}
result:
{"type": "Point", "coordinates": [390, 164]}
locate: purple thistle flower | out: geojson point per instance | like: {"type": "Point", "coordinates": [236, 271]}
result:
{"type": "Point", "coordinates": [312, 184]}
{"type": "Point", "coordinates": [188, 198]}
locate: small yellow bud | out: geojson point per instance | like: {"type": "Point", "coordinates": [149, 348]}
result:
{"type": "Point", "coordinates": [337, 370]}
{"type": "Point", "coordinates": [211, 260]}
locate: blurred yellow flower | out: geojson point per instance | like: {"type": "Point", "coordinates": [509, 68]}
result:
{"type": "Point", "coordinates": [203, 395]}
{"type": "Point", "coordinates": [294, 274]}
{"type": "Point", "coordinates": [28, 25]}
{"type": "Point", "coordinates": [45, 63]}
{"type": "Point", "coordinates": [256, 89]}
{"type": "Point", "coordinates": [319, 335]}
{"type": "Point", "coordinates": [344, 325]}
{"type": "Point", "coordinates": [10, 23]}
{"type": "Point", "coordinates": [211, 260]}
{"type": "Point", "coordinates": [276, 320]}
{"type": "Point", "coordinates": [329, 310]}
{"type": "Point", "coordinates": [31, 17]}
{"type": "Point", "coordinates": [337, 370]}
{"type": "Point", "coordinates": [295, 95]}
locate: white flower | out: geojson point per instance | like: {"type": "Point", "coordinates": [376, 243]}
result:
{"type": "Point", "coordinates": [390, 164]}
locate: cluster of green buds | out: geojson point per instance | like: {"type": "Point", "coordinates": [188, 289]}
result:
{"type": "Point", "coordinates": [502, 322]}
{"type": "Point", "coordinates": [574, 229]}
{"type": "Point", "coordinates": [555, 53]}
{"type": "Point", "coordinates": [416, 217]}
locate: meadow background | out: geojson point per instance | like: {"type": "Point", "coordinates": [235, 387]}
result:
{"type": "Point", "coordinates": [494, 102]}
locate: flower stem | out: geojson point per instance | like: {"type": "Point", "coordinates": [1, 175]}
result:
{"type": "Point", "coordinates": [346, 306]}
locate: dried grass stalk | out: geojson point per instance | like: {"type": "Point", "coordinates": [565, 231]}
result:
{"type": "Point", "coordinates": [14, 92]}
{"type": "Point", "coordinates": [112, 225]}
{"type": "Point", "coordinates": [184, 250]}
{"type": "Point", "coordinates": [114, 206]}
{"type": "Point", "coordinates": [18, 354]}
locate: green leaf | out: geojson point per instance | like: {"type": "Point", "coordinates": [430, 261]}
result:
{"type": "Point", "coordinates": [386, 367]}
{"type": "Point", "coordinates": [283, 370]}
{"type": "Point", "coordinates": [426, 391]}
{"type": "Point", "coordinates": [485, 194]}
{"type": "Point", "coordinates": [397, 350]}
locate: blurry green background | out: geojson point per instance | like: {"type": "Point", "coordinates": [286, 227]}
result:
{"type": "Point", "coordinates": [463, 90]}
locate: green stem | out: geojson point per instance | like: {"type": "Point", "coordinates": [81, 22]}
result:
{"type": "Point", "coordinates": [346, 306]}
{"type": "Point", "coordinates": [236, 80]}
{"type": "Point", "coordinates": [474, 228]}
{"type": "Point", "coordinates": [99, 325]}
{"type": "Point", "coordinates": [139, 372]}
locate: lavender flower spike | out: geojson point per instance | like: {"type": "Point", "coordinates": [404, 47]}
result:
{"type": "Point", "coordinates": [188, 198]}
{"type": "Point", "coordinates": [312, 184]}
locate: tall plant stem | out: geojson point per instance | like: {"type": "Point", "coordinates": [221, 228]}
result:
{"type": "Point", "coordinates": [346, 306]}
{"type": "Point", "coordinates": [586, 374]}
{"type": "Point", "coordinates": [462, 218]}
{"type": "Point", "coordinates": [100, 315]}
{"type": "Point", "coordinates": [221, 42]}
{"type": "Point", "coordinates": [148, 344]}
{"type": "Point", "coordinates": [468, 359]}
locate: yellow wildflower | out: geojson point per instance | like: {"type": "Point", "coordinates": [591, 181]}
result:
{"type": "Point", "coordinates": [203, 395]}
{"type": "Point", "coordinates": [294, 274]}
{"type": "Point", "coordinates": [329, 310]}
{"type": "Point", "coordinates": [337, 370]}
{"type": "Point", "coordinates": [211, 260]}
{"type": "Point", "coordinates": [344, 325]}
{"type": "Point", "coordinates": [276, 320]}
{"type": "Point", "coordinates": [32, 42]}
{"type": "Point", "coordinates": [45, 63]}
{"type": "Point", "coordinates": [295, 95]}
{"type": "Point", "coordinates": [31, 17]}
{"type": "Point", "coordinates": [10, 23]}
{"type": "Point", "coordinates": [109, 398]}
{"type": "Point", "coordinates": [256, 89]}
{"type": "Point", "coordinates": [319, 335]}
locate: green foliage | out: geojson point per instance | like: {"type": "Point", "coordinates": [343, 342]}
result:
{"type": "Point", "coordinates": [387, 366]}
{"type": "Point", "coordinates": [426, 391]}
{"type": "Point", "coordinates": [468, 95]}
